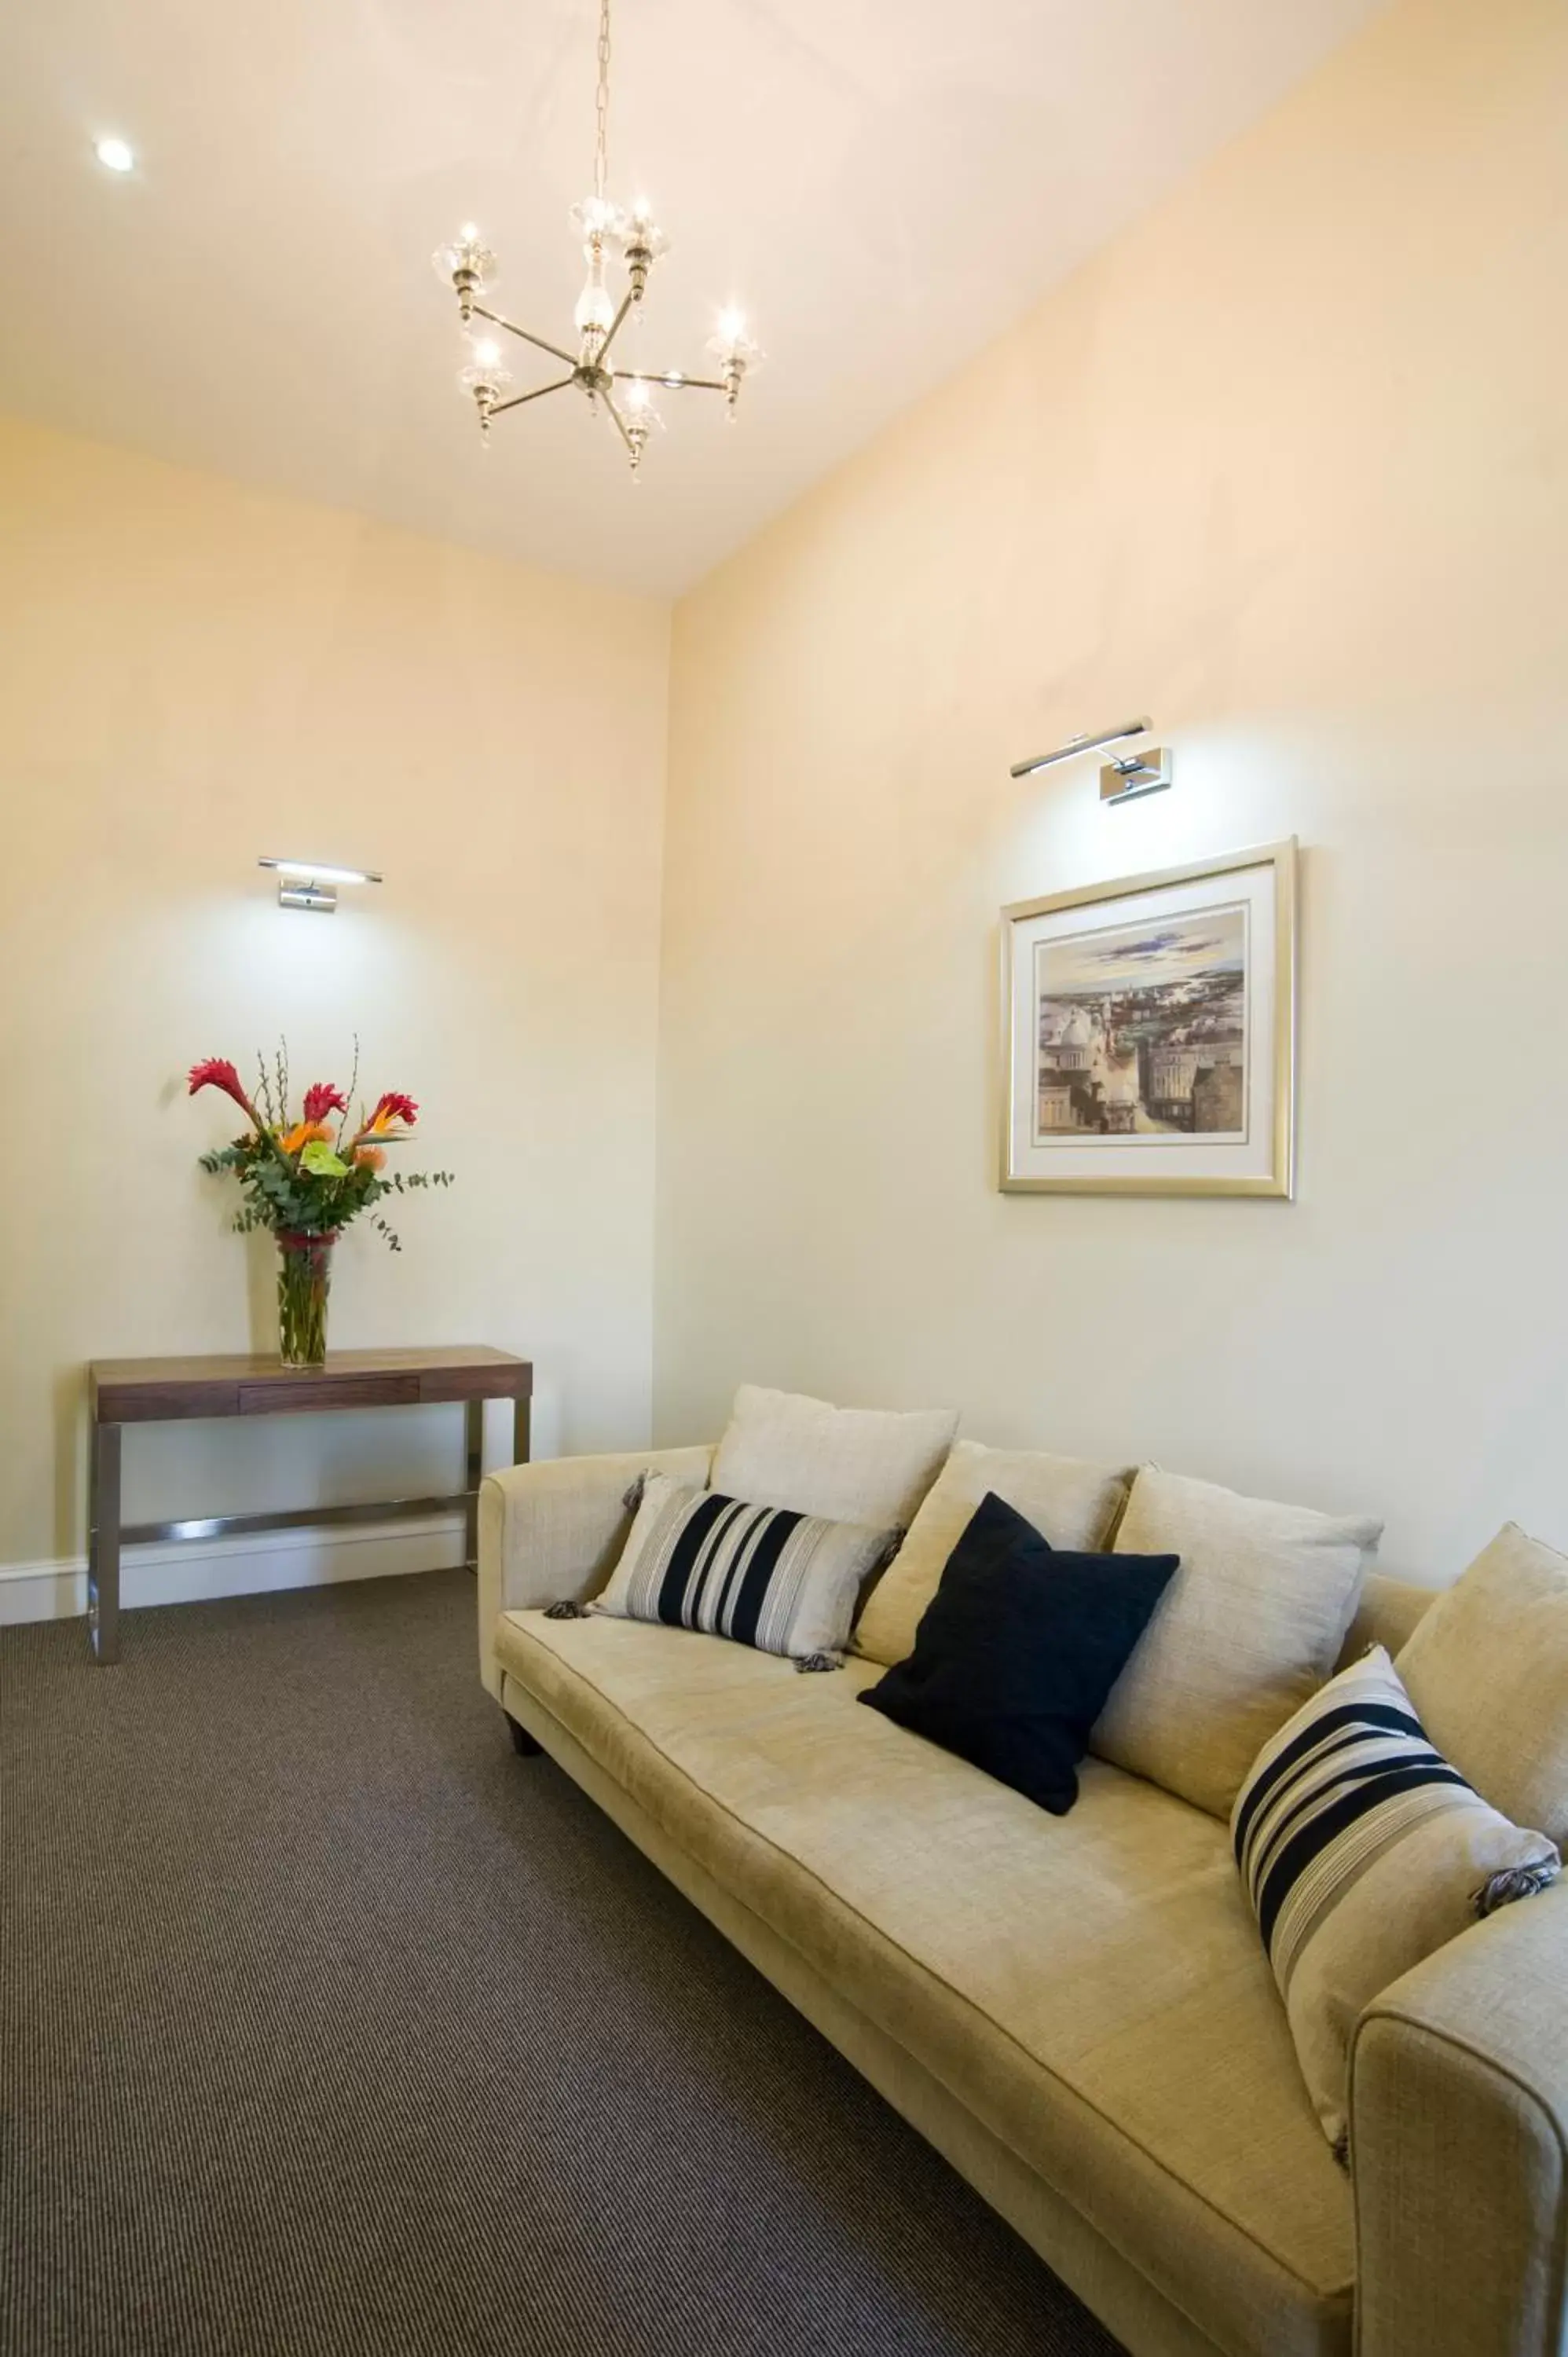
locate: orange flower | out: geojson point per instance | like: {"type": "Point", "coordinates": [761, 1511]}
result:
{"type": "Point", "coordinates": [371, 1157]}
{"type": "Point", "coordinates": [303, 1134]}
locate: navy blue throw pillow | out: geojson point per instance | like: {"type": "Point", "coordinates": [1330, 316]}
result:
{"type": "Point", "coordinates": [1017, 1652]}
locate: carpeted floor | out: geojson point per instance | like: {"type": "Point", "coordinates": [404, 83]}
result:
{"type": "Point", "coordinates": [330, 2029]}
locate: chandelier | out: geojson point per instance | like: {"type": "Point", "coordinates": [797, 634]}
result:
{"type": "Point", "coordinates": [626, 396]}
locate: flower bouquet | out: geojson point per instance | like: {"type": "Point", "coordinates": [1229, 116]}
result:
{"type": "Point", "coordinates": [306, 1180]}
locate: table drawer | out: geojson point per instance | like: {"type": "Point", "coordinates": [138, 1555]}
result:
{"type": "Point", "coordinates": [445, 1385]}
{"type": "Point", "coordinates": [291, 1394]}
{"type": "Point", "coordinates": [156, 1403]}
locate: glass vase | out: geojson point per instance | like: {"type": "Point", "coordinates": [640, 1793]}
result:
{"type": "Point", "coordinates": [305, 1279]}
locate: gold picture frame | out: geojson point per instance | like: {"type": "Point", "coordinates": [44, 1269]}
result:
{"type": "Point", "coordinates": [1152, 1050]}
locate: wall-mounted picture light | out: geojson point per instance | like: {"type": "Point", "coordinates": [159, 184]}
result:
{"type": "Point", "coordinates": [1124, 777]}
{"type": "Point", "coordinates": [312, 884]}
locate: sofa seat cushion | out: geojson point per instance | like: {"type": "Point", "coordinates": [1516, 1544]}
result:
{"type": "Point", "coordinates": [1092, 1987]}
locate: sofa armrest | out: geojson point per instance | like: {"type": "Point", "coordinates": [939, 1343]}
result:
{"type": "Point", "coordinates": [552, 1531]}
{"type": "Point", "coordinates": [1459, 2139]}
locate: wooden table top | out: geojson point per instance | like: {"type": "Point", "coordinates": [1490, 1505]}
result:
{"type": "Point", "coordinates": [152, 1391]}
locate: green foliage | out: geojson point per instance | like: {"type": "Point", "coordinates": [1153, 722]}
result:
{"type": "Point", "coordinates": [313, 1193]}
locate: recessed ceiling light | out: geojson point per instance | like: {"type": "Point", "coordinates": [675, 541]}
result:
{"type": "Point", "coordinates": [114, 154]}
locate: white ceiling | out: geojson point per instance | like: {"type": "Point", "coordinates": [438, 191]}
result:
{"type": "Point", "coordinates": [884, 184]}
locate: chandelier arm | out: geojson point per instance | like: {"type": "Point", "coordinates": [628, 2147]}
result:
{"type": "Point", "coordinates": [620, 427]}
{"type": "Point", "coordinates": [559, 384]}
{"type": "Point", "coordinates": [669, 383]}
{"type": "Point", "coordinates": [496, 320]}
{"type": "Point", "coordinates": [614, 329]}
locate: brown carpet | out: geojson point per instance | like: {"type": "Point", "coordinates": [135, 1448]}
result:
{"type": "Point", "coordinates": [330, 2029]}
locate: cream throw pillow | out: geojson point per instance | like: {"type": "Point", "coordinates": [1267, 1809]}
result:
{"type": "Point", "coordinates": [1487, 1672]}
{"type": "Point", "coordinates": [1069, 1503]}
{"type": "Point", "coordinates": [848, 1464]}
{"type": "Point", "coordinates": [1363, 1850]}
{"type": "Point", "coordinates": [1251, 1623]}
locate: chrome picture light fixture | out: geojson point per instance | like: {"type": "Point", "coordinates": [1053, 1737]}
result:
{"type": "Point", "coordinates": [313, 883]}
{"type": "Point", "coordinates": [1124, 777]}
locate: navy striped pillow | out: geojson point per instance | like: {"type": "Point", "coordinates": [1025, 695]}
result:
{"type": "Point", "coordinates": [1362, 1850]}
{"type": "Point", "coordinates": [784, 1582]}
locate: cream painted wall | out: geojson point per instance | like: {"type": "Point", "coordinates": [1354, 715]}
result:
{"type": "Point", "coordinates": [190, 675]}
{"type": "Point", "coordinates": [1288, 467]}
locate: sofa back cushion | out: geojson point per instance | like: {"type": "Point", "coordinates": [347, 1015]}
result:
{"type": "Point", "coordinates": [1487, 1672]}
{"type": "Point", "coordinates": [1251, 1624]}
{"type": "Point", "coordinates": [848, 1464]}
{"type": "Point", "coordinates": [1389, 1613]}
{"type": "Point", "coordinates": [1071, 1504]}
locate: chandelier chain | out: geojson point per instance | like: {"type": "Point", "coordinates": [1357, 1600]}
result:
{"type": "Point", "coordinates": [601, 104]}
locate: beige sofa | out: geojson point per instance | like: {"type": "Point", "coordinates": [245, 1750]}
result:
{"type": "Point", "coordinates": [1076, 2011]}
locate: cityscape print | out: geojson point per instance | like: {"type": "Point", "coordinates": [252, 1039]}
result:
{"type": "Point", "coordinates": [1143, 1029]}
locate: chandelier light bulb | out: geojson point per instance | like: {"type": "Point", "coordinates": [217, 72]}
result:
{"type": "Point", "coordinates": [641, 229]}
{"type": "Point", "coordinates": [115, 154]}
{"type": "Point", "coordinates": [641, 243]}
{"type": "Point", "coordinates": [731, 326]}
{"type": "Point", "coordinates": [484, 379]}
{"type": "Point", "coordinates": [595, 220]}
{"type": "Point", "coordinates": [464, 266]}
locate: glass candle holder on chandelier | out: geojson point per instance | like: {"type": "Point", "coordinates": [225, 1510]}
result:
{"type": "Point", "coordinates": [627, 396]}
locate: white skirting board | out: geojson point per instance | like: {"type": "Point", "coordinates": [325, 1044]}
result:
{"type": "Point", "coordinates": [185, 1573]}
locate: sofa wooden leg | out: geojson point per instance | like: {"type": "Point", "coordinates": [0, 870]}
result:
{"type": "Point", "coordinates": [521, 1741]}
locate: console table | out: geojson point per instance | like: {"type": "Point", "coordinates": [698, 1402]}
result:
{"type": "Point", "coordinates": [162, 1391]}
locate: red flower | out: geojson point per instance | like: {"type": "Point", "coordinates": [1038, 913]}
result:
{"type": "Point", "coordinates": [218, 1072]}
{"type": "Point", "coordinates": [323, 1099]}
{"type": "Point", "coordinates": [392, 1106]}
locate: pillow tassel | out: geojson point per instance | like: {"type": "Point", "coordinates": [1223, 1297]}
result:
{"type": "Point", "coordinates": [819, 1661]}
{"type": "Point", "coordinates": [633, 1498]}
{"type": "Point", "coordinates": [1515, 1882]}
{"type": "Point", "coordinates": [568, 1610]}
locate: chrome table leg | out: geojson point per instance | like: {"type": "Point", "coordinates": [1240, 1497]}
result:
{"type": "Point", "coordinates": [473, 1469]}
{"type": "Point", "coordinates": [103, 1543]}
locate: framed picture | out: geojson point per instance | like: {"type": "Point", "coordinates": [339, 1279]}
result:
{"type": "Point", "coordinates": [1148, 1028]}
